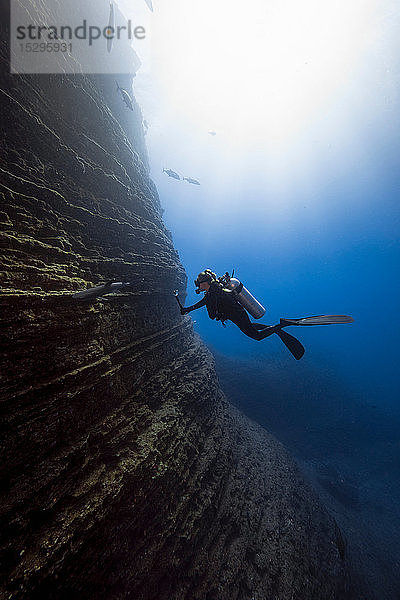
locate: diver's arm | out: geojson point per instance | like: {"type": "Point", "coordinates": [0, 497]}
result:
{"type": "Point", "coordinates": [199, 304]}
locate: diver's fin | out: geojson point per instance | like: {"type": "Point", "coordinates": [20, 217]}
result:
{"type": "Point", "coordinates": [318, 320]}
{"type": "Point", "coordinates": [292, 344]}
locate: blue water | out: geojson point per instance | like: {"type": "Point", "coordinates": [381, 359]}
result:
{"type": "Point", "coordinates": [344, 260]}
{"type": "Point", "coordinates": [311, 226]}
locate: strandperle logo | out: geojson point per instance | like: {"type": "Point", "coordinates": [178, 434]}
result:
{"type": "Point", "coordinates": [75, 37]}
{"type": "Point", "coordinates": [87, 32]}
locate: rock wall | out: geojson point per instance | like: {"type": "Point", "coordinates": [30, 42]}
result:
{"type": "Point", "coordinates": [126, 472]}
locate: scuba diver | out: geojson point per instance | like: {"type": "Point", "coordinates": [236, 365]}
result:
{"type": "Point", "coordinates": [227, 299]}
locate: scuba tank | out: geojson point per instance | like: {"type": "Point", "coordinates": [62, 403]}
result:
{"type": "Point", "coordinates": [247, 300]}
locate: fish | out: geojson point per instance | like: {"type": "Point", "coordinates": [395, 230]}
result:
{"type": "Point", "coordinates": [111, 24]}
{"type": "Point", "coordinates": [171, 173]}
{"type": "Point", "coordinates": [190, 180]}
{"type": "Point", "coordinates": [100, 290]}
{"type": "Point", "coordinates": [125, 97]}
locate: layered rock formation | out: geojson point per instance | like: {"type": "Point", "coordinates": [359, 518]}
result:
{"type": "Point", "coordinates": [127, 473]}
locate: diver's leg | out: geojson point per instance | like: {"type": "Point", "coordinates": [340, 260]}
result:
{"type": "Point", "coordinates": [291, 343]}
{"type": "Point", "coordinates": [256, 331]}
{"type": "Point", "coordinates": [268, 329]}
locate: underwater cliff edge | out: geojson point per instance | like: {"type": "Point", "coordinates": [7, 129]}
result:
{"type": "Point", "coordinates": [126, 473]}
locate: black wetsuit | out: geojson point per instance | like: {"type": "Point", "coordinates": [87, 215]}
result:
{"type": "Point", "coordinates": [222, 305]}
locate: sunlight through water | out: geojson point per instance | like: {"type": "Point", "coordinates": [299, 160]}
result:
{"type": "Point", "coordinates": [257, 70]}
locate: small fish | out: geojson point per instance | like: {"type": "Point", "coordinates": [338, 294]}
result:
{"type": "Point", "coordinates": [125, 97]}
{"type": "Point", "coordinates": [171, 173]}
{"type": "Point", "coordinates": [190, 180]}
{"type": "Point", "coordinates": [212, 133]}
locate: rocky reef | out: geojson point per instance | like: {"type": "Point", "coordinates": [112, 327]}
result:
{"type": "Point", "coordinates": [126, 473]}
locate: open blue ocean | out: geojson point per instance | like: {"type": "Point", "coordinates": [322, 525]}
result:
{"type": "Point", "coordinates": [293, 134]}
